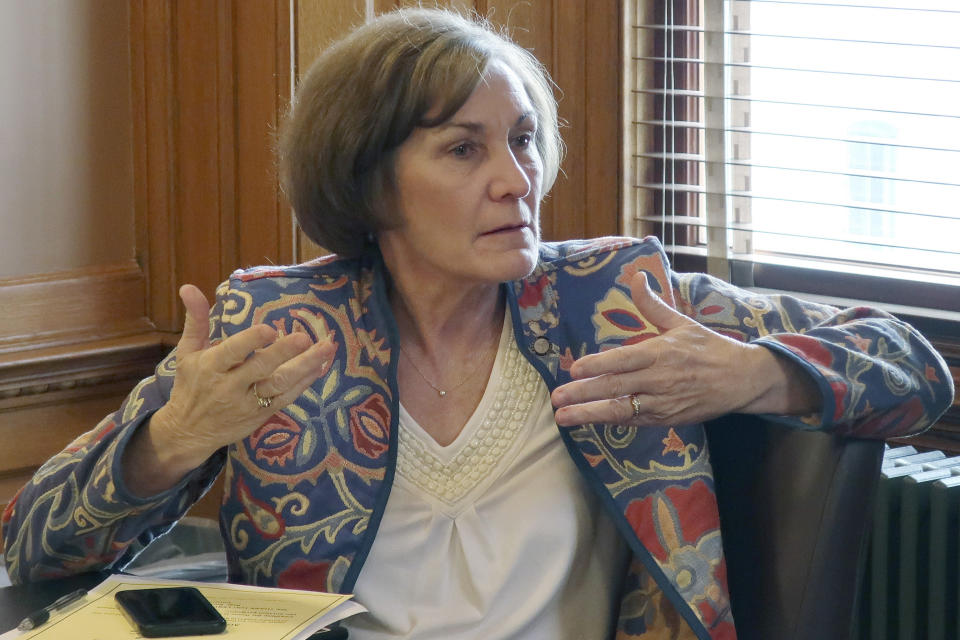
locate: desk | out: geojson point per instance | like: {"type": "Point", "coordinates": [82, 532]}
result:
{"type": "Point", "coordinates": [16, 603]}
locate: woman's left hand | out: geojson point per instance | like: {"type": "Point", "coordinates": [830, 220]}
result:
{"type": "Point", "coordinates": [687, 374]}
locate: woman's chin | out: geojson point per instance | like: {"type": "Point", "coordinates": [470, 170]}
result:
{"type": "Point", "coordinates": [496, 269]}
{"type": "Point", "coordinates": [518, 264]}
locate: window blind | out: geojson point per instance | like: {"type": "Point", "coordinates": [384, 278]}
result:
{"type": "Point", "coordinates": [810, 145]}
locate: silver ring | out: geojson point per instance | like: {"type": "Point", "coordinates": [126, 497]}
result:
{"type": "Point", "coordinates": [263, 402]}
{"type": "Point", "coordinates": [635, 401]}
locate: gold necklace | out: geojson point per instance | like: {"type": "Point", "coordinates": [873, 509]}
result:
{"type": "Point", "coordinates": [441, 392]}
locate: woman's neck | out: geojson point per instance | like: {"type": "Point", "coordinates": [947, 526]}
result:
{"type": "Point", "coordinates": [439, 322]}
{"type": "Point", "coordinates": [448, 338]}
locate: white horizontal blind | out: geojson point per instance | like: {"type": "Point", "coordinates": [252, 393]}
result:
{"type": "Point", "coordinates": [800, 132]}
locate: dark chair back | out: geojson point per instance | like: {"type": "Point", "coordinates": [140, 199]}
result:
{"type": "Point", "coordinates": [795, 511]}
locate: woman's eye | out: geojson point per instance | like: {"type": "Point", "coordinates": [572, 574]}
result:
{"type": "Point", "coordinates": [462, 150]}
{"type": "Point", "coordinates": [523, 140]}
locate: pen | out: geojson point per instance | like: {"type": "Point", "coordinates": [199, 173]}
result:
{"type": "Point", "coordinates": [335, 633]}
{"type": "Point", "coordinates": [37, 618]}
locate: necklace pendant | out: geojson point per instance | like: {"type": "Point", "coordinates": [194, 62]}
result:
{"type": "Point", "coordinates": [441, 392]}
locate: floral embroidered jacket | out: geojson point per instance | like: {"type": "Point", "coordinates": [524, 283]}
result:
{"type": "Point", "coordinates": [306, 491]}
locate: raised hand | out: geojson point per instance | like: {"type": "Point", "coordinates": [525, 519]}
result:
{"type": "Point", "coordinates": [687, 374]}
{"type": "Point", "coordinates": [221, 394]}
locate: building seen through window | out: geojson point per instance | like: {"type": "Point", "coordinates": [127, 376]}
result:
{"type": "Point", "coordinates": [855, 131]}
{"type": "Point", "coordinates": [802, 132]}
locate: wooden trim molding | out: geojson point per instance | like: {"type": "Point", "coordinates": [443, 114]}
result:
{"type": "Point", "coordinates": [77, 366]}
{"type": "Point", "coordinates": [51, 395]}
{"type": "Point", "coordinates": [64, 308]}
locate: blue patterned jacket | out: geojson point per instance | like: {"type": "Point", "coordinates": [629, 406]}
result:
{"type": "Point", "coordinates": [304, 493]}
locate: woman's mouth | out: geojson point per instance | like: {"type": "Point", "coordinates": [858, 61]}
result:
{"type": "Point", "coordinates": [507, 229]}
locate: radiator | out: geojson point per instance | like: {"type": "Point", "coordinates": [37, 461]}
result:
{"type": "Point", "coordinates": [909, 586]}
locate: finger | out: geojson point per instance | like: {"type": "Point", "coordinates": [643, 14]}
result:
{"type": "Point", "coordinates": [612, 411]}
{"type": "Point", "coordinates": [634, 357]}
{"type": "Point", "coordinates": [651, 307]}
{"type": "Point", "coordinates": [196, 325]}
{"type": "Point", "coordinates": [291, 378]}
{"type": "Point", "coordinates": [266, 361]}
{"type": "Point", "coordinates": [282, 400]}
{"type": "Point", "coordinates": [604, 387]}
{"type": "Point", "coordinates": [237, 348]}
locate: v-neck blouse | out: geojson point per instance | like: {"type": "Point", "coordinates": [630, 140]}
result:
{"type": "Point", "coordinates": [495, 535]}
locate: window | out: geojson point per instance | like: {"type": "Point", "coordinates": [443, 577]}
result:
{"type": "Point", "coordinates": [811, 146]}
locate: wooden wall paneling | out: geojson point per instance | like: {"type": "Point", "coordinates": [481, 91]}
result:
{"type": "Point", "coordinates": [263, 224]}
{"type": "Point", "coordinates": [198, 126]}
{"type": "Point", "coordinates": [569, 60]}
{"type": "Point", "coordinates": [286, 81]}
{"type": "Point", "coordinates": [254, 75]}
{"type": "Point", "coordinates": [263, 98]}
{"type": "Point", "coordinates": [529, 23]}
{"type": "Point", "coordinates": [155, 155]}
{"type": "Point", "coordinates": [587, 68]}
{"type": "Point", "coordinates": [211, 81]}
{"type": "Point", "coordinates": [319, 23]}
{"type": "Point", "coordinates": [603, 161]}
{"type": "Point", "coordinates": [227, 128]}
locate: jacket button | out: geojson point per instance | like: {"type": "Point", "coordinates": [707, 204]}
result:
{"type": "Point", "coordinates": [541, 346]}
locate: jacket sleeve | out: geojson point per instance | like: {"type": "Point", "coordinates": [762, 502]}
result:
{"type": "Point", "coordinates": [76, 514]}
{"type": "Point", "coordinates": [879, 378]}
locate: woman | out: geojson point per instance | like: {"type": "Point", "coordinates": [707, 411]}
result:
{"type": "Point", "coordinates": [385, 417]}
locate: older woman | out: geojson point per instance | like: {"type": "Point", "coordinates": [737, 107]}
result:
{"type": "Point", "coordinates": [386, 416]}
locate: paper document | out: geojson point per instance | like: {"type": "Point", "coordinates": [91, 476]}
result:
{"type": "Point", "coordinates": [252, 613]}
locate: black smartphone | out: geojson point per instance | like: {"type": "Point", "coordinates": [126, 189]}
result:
{"type": "Point", "coordinates": [170, 611]}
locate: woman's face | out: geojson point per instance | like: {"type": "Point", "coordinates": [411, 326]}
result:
{"type": "Point", "coordinates": [469, 190]}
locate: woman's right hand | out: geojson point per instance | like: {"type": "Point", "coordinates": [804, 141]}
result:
{"type": "Point", "coordinates": [213, 402]}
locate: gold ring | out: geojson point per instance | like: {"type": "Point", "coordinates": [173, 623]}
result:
{"type": "Point", "coordinates": [635, 401]}
{"type": "Point", "coordinates": [263, 402]}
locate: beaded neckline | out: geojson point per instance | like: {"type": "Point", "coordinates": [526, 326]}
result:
{"type": "Point", "coordinates": [451, 478]}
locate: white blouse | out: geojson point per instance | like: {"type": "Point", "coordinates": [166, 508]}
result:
{"type": "Point", "coordinates": [494, 536]}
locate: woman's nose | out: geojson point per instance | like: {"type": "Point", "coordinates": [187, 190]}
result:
{"type": "Point", "coordinates": [510, 179]}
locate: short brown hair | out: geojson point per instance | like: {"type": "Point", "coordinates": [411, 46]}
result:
{"type": "Point", "coordinates": [364, 96]}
